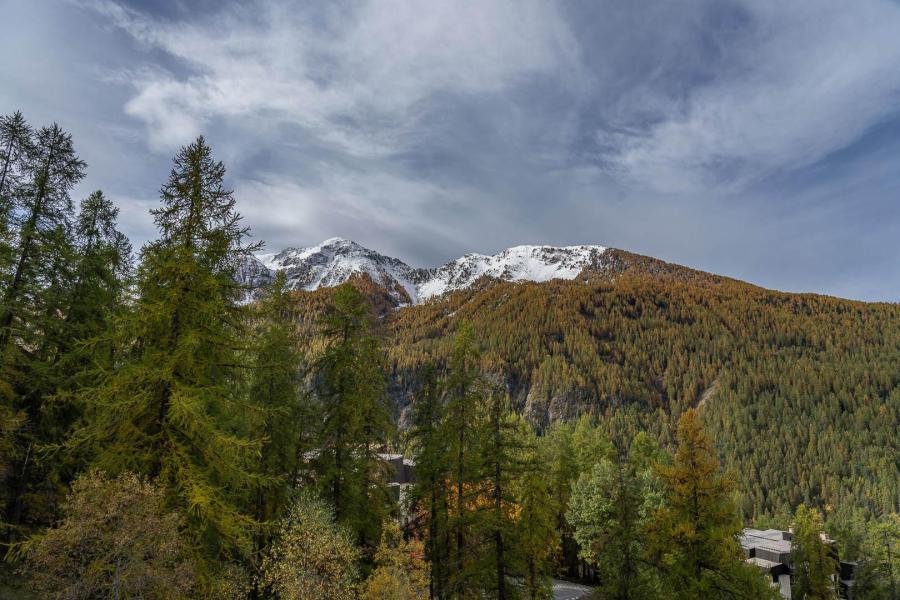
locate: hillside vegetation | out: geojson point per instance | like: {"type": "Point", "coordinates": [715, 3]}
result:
{"type": "Point", "coordinates": [801, 392]}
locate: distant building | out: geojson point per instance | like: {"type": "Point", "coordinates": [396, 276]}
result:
{"type": "Point", "coordinates": [770, 551]}
{"type": "Point", "coordinates": [401, 475]}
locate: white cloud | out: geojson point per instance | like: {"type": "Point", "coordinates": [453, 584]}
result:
{"type": "Point", "coordinates": [357, 78]}
{"type": "Point", "coordinates": [809, 79]}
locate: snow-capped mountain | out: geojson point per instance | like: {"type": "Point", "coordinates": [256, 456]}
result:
{"type": "Point", "coordinates": [335, 260]}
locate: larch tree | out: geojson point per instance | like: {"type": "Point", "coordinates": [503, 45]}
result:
{"type": "Point", "coordinates": [537, 538]}
{"type": "Point", "coordinates": [813, 560]}
{"type": "Point", "coordinates": [350, 391]}
{"type": "Point", "coordinates": [401, 572]}
{"type": "Point", "coordinates": [16, 147]}
{"type": "Point", "coordinates": [431, 489]}
{"type": "Point", "coordinates": [693, 537]}
{"type": "Point", "coordinates": [172, 407]}
{"type": "Point", "coordinates": [312, 556]}
{"type": "Point", "coordinates": [279, 415]}
{"type": "Point", "coordinates": [465, 389]}
{"type": "Point", "coordinates": [34, 285]}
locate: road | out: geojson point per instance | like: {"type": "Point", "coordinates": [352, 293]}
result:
{"type": "Point", "coordinates": [565, 590]}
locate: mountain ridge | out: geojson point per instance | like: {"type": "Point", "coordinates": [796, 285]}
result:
{"type": "Point", "coordinates": [336, 260]}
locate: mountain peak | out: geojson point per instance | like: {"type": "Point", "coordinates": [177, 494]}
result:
{"type": "Point", "coordinates": [336, 259]}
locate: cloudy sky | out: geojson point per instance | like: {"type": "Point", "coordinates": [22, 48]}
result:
{"type": "Point", "coordinates": [757, 139]}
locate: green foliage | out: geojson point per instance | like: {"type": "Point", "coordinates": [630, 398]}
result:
{"type": "Point", "coordinates": [37, 254]}
{"type": "Point", "coordinates": [878, 567]}
{"type": "Point", "coordinates": [693, 537]}
{"type": "Point", "coordinates": [637, 350]}
{"type": "Point", "coordinates": [115, 540]}
{"type": "Point", "coordinates": [814, 561]}
{"type": "Point", "coordinates": [610, 510]}
{"type": "Point", "coordinates": [401, 572]}
{"type": "Point", "coordinates": [171, 408]}
{"type": "Point", "coordinates": [355, 420]}
{"type": "Point", "coordinates": [312, 558]}
{"type": "Point", "coordinates": [282, 414]}
{"type": "Point", "coordinates": [537, 538]}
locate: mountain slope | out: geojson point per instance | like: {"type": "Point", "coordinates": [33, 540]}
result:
{"type": "Point", "coordinates": [801, 392]}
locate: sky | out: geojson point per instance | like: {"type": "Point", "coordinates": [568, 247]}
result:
{"type": "Point", "coordinates": [752, 138]}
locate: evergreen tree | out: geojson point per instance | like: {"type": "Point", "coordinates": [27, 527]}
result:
{"type": "Point", "coordinates": [503, 446]}
{"type": "Point", "coordinates": [33, 294]}
{"type": "Point", "coordinates": [814, 561]}
{"type": "Point", "coordinates": [610, 508]}
{"type": "Point", "coordinates": [280, 414]}
{"type": "Point", "coordinates": [350, 388]}
{"type": "Point", "coordinates": [16, 140]}
{"type": "Point", "coordinates": [693, 538]}
{"type": "Point", "coordinates": [171, 407]}
{"type": "Point", "coordinates": [44, 207]}
{"type": "Point", "coordinates": [537, 538]}
{"type": "Point", "coordinates": [465, 389]}
{"type": "Point", "coordinates": [559, 465]}
{"type": "Point", "coordinates": [430, 490]}
{"type": "Point", "coordinates": [878, 564]}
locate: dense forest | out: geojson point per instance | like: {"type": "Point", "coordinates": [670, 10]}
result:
{"type": "Point", "coordinates": [161, 438]}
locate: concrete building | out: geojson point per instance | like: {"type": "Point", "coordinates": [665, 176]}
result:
{"type": "Point", "coordinates": [770, 551]}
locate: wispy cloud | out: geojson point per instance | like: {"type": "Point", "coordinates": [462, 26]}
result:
{"type": "Point", "coordinates": [357, 74]}
{"type": "Point", "coordinates": [802, 80]}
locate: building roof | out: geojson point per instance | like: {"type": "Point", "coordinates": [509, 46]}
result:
{"type": "Point", "coordinates": [768, 539]}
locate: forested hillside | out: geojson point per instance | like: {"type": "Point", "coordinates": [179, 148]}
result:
{"type": "Point", "coordinates": [801, 392]}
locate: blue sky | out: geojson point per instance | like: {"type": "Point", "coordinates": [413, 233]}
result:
{"type": "Point", "coordinates": [758, 139]}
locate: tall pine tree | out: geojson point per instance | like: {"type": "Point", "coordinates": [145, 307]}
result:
{"type": "Point", "coordinates": [356, 423]}
{"type": "Point", "coordinates": [172, 409]}
{"type": "Point", "coordinates": [693, 538]}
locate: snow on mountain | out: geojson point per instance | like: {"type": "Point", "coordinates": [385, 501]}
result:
{"type": "Point", "coordinates": [335, 260]}
{"type": "Point", "coordinates": [520, 263]}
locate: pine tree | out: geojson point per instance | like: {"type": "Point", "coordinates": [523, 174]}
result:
{"type": "Point", "coordinates": [813, 561]}
{"type": "Point", "coordinates": [350, 387]}
{"type": "Point", "coordinates": [16, 141]}
{"type": "Point", "coordinates": [465, 389]}
{"type": "Point", "coordinates": [693, 538]}
{"type": "Point", "coordinates": [171, 408]}
{"type": "Point", "coordinates": [44, 206]}
{"type": "Point", "coordinates": [280, 414]}
{"type": "Point", "coordinates": [33, 294]}
{"type": "Point", "coordinates": [430, 491]}
{"type": "Point", "coordinates": [537, 538]}
{"type": "Point", "coordinates": [558, 459]}
{"type": "Point", "coordinates": [502, 463]}
{"type": "Point", "coordinates": [610, 508]}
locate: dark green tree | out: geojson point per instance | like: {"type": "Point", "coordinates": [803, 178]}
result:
{"type": "Point", "coordinates": [173, 408]}
{"type": "Point", "coordinates": [813, 560]}
{"type": "Point", "coordinates": [280, 411]}
{"type": "Point", "coordinates": [356, 423]}
{"type": "Point", "coordinates": [34, 287]}
{"type": "Point", "coordinates": [431, 489]}
{"type": "Point", "coordinates": [465, 389]}
{"type": "Point", "coordinates": [16, 139]}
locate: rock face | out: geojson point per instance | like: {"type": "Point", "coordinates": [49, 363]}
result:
{"type": "Point", "coordinates": [335, 260]}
